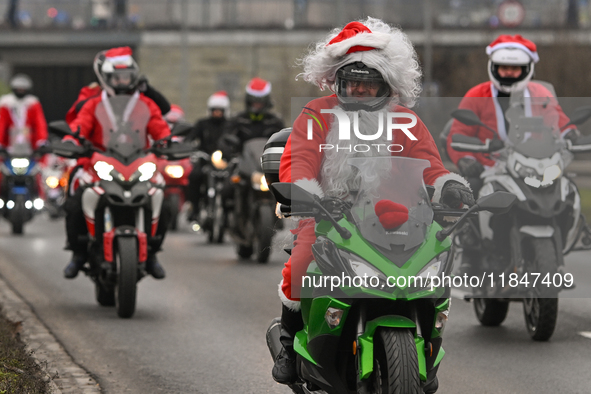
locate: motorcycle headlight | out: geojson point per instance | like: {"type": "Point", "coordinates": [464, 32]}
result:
{"type": "Point", "coordinates": [434, 268]}
{"type": "Point", "coordinates": [103, 170]}
{"type": "Point", "coordinates": [20, 163]}
{"type": "Point", "coordinates": [364, 270]}
{"type": "Point", "coordinates": [532, 178]}
{"type": "Point", "coordinates": [52, 182]}
{"type": "Point", "coordinates": [147, 171]}
{"type": "Point", "coordinates": [259, 182]}
{"type": "Point", "coordinates": [524, 171]}
{"type": "Point", "coordinates": [550, 174]}
{"type": "Point", "coordinates": [174, 171]}
{"type": "Point", "coordinates": [218, 162]}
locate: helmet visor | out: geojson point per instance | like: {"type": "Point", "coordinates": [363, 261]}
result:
{"type": "Point", "coordinates": [122, 79]}
{"type": "Point", "coordinates": [363, 87]}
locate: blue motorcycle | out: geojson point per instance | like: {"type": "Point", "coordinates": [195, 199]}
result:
{"type": "Point", "coordinates": [19, 198]}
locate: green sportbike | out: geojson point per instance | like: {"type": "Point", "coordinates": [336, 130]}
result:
{"type": "Point", "coordinates": [373, 314]}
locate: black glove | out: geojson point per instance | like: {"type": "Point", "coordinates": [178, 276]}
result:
{"type": "Point", "coordinates": [469, 167]}
{"type": "Point", "coordinates": [572, 135]}
{"type": "Point", "coordinates": [454, 194]}
{"type": "Point", "coordinates": [142, 84]}
{"type": "Point", "coordinates": [496, 145]}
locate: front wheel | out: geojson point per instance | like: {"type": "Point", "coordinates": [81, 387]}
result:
{"type": "Point", "coordinates": [126, 288]}
{"type": "Point", "coordinates": [540, 317]}
{"type": "Point", "coordinates": [490, 312]}
{"type": "Point", "coordinates": [17, 215]}
{"type": "Point", "coordinates": [541, 313]}
{"type": "Point", "coordinates": [396, 365]}
{"type": "Point", "coordinates": [218, 220]}
{"type": "Point", "coordinates": [175, 203]}
{"type": "Point", "coordinates": [264, 233]}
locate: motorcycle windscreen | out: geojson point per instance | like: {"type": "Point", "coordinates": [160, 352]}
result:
{"type": "Point", "coordinates": [21, 149]}
{"type": "Point", "coordinates": [250, 160]}
{"type": "Point", "coordinates": [389, 189]}
{"type": "Point", "coordinates": [534, 123]}
{"type": "Point", "coordinates": [124, 120]}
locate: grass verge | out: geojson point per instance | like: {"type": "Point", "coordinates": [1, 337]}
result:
{"type": "Point", "coordinates": [19, 373]}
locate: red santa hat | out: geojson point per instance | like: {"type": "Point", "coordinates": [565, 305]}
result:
{"type": "Point", "coordinates": [219, 100]}
{"type": "Point", "coordinates": [117, 58]}
{"type": "Point", "coordinates": [514, 42]}
{"type": "Point", "coordinates": [258, 87]}
{"type": "Point", "coordinates": [356, 37]}
{"type": "Point", "coordinates": [175, 114]}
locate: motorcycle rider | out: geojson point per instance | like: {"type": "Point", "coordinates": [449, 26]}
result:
{"type": "Point", "coordinates": [372, 68]}
{"type": "Point", "coordinates": [118, 74]}
{"type": "Point", "coordinates": [510, 69]}
{"type": "Point", "coordinates": [206, 134]}
{"type": "Point", "coordinates": [257, 120]}
{"type": "Point", "coordinates": [94, 89]}
{"type": "Point", "coordinates": [21, 118]}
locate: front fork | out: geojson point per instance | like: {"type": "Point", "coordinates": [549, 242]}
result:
{"type": "Point", "coordinates": [110, 233]}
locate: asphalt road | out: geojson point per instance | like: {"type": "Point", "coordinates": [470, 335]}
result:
{"type": "Point", "coordinates": [202, 329]}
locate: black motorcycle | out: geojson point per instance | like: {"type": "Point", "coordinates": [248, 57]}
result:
{"type": "Point", "coordinates": [251, 218]}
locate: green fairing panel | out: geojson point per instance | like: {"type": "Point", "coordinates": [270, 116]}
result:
{"type": "Point", "coordinates": [300, 346]}
{"type": "Point", "coordinates": [439, 357]}
{"type": "Point", "coordinates": [317, 323]}
{"type": "Point", "coordinates": [427, 251]}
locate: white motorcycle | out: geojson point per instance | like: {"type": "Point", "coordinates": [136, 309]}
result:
{"type": "Point", "coordinates": [523, 258]}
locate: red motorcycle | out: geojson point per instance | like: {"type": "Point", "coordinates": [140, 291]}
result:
{"type": "Point", "coordinates": [176, 176]}
{"type": "Point", "coordinates": [122, 200]}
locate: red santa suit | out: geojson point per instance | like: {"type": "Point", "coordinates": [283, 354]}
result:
{"type": "Point", "coordinates": [302, 163]}
{"type": "Point", "coordinates": [389, 52]}
{"type": "Point", "coordinates": [22, 119]}
{"type": "Point", "coordinates": [505, 50]}
{"type": "Point", "coordinates": [92, 129]}
{"type": "Point", "coordinates": [85, 94]}
{"type": "Point", "coordinates": [482, 99]}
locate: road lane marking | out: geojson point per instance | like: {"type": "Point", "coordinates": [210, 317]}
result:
{"type": "Point", "coordinates": [586, 334]}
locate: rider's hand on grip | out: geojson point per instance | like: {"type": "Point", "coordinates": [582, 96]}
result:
{"type": "Point", "coordinates": [496, 145]}
{"type": "Point", "coordinates": [454, 194]}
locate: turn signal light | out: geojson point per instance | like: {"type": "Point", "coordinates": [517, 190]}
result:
{"type": "Point", "coordinates": [235, 178]}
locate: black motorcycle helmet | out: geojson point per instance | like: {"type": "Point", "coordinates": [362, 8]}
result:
{"type": "Point", "coordinates": [258, 96]}
{"type": "Point", "coordinates": [356, 73]}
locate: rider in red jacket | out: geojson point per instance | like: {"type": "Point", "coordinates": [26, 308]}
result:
{"type": "Point", "coordinates": [510, 69]}
{"type": "Point", "coordinates": [21, 115]}
{"type": "Point", "coordinates": [118, 73]}
{"type": "Point", "coordinates": [372, 69]}
{"type": "Point", "coordinates": [22, 120]}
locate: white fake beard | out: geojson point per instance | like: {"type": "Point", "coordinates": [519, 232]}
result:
{"type": "Point", "coordinates": [339, 177]}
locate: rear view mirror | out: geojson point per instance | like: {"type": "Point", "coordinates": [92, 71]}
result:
{"type": "Point", "coordinates": [580, 116]}
{"type": "Point", "coordinates": [467, 117]}
{"type": "Point", "coordinates": [181, 129]}
{"type": "Point", "coordinates": [497, 202]}
{"type": "Point", "coordinates": [231, 140]}
{"type": "Point", "coordinates": [60, 128]}
{"type": "Point", "coordinates": [290, 194]}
